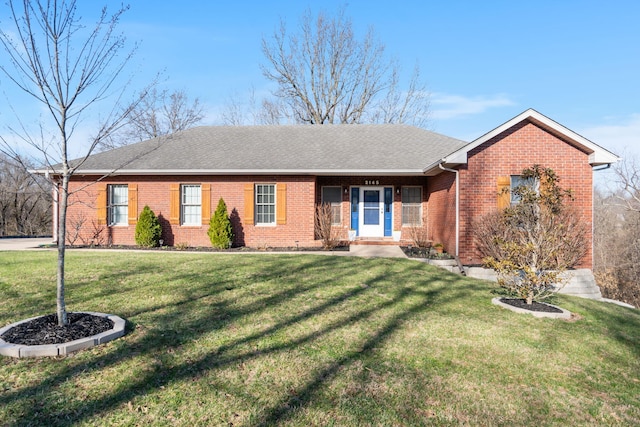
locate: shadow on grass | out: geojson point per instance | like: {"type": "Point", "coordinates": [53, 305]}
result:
{"type": "Point", "coordinates": [231, 291]}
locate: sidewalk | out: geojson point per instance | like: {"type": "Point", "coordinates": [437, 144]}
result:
{"type": "Point", "coordinates": [367, 251]}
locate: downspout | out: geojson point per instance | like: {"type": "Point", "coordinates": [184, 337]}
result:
{"type": "Point", "coordinates": [457, 205]}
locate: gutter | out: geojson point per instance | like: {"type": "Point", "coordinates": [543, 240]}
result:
{"type": "Point", "coordinates": [235, 172]}
{"type": "Point", "coordinates": [457, 204]}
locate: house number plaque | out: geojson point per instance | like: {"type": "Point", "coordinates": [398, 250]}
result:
{"type": "Point", "coordinates": [371, 182]}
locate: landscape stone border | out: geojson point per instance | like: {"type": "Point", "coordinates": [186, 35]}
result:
{"type": "Point", "coordinates": [21, 350]}
{"type": "Point", "coordinates": [564, 315]}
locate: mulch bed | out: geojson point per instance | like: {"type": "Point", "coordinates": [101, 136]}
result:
{"type": "Point", "coordinates": [416, 252]}
{"type": "Point", "coordinates": [534, 306]}
{"type": "Point", "coordinates": [45, 329]}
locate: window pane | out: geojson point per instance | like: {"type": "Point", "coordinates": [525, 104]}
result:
{"type": "Point", "coordinates": [411, 194]}
{"type": "Point", "coordinates": [120, 214]}
{"type": "Point", "coordinates": [411, 205]}
{"type": "Point", "coordinates": [411, 214]}
{"type": "Point", "coordinates": [119, 194]}
{"type": "Point", "coordinates": [118, 204]}
{"type": "Point", "coordinates": [333, 196]}
{"type": "Point", "coordinates": [336, 214]}
{"type": "Point", "coordinates": [265, 204]}
{"type": "Point", "coordinates": [191, 209]}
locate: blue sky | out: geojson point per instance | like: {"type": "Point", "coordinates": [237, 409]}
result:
{"type": "Point", "coordinates": [577, 62]}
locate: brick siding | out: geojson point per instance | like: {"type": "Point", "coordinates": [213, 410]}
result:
{"type": "Point", "coordinates": [509, 153]}
{"type": "Point", "coordinates": [154, 192]}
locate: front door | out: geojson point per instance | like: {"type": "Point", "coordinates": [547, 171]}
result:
{"type": "Point", "coordinates": [371, 212]}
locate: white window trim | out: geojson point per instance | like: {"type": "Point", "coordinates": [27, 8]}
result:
{"type": "Point", "coordinates": [111, 205]}
{"type": "Point", "coordinates": [183, 205]}
{"type": "Point", "coordinates": [255, 204]}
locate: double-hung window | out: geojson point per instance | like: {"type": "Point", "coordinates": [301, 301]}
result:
{"type": "Point", "coordinates": [190, 204]}
{"type": "Point", "coordinates": [412, 206]}
{"type": "Point", "coordinates": [333, 197]}
{"type": "Point", "coordinates": [118, 204]}
{"type": "Point", "coordinates": [265, 204]}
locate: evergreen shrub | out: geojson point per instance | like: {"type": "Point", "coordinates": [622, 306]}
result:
{"type": "Point", "coordinates": [220, 232]}
{"type": "Point", "coordinates": [148, 229]}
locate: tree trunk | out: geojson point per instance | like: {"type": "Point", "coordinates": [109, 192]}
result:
{"type": "Point", "coordinates": [62, 232]}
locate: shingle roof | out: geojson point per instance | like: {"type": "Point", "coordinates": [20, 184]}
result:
{"type": "Point", "coordinates": [296, 149]}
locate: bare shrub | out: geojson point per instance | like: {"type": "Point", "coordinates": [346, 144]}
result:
{"type": "Point", "coordinates": [418, 233]}
{"type": "Point", "coordinates": [97, 237]}
{"type": "Point", "coordinates": [325, 230]}
{"type": "Point", "coordinates": [74, 230]}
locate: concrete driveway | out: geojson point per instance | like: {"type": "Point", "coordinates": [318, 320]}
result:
{"type": "Point", "coordinates": [18, 244]}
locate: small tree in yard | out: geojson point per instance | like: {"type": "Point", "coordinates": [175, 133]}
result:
{"type": "Point", "coordinates": [148, 229]}
{"type": "Point", "coordinates": [531, 243]}
{"type": "Point", "coordinates": [220, 232]}
{"type": "Point", "coordinates": [72, 72]}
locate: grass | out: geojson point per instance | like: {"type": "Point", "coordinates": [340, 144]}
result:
{"type": "Point", "coordinates": [258, 340]}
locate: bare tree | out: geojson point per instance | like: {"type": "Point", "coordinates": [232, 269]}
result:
{"type": "Point", "coordinates": [627, 179]}
{"type": "Point", "coordinates": [69, 69]}
{"type": "Point", "coordinates": [410, 106]}
{"type": "Point", "coordinates": [324, 74]}
{"type": "Point", "coordinates": [617, 234]}
{"type": "Point", "coordinates": [159, 113]}
{"type": "Point", "coordinates": [25, 208]}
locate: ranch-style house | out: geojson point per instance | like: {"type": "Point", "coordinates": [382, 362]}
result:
{"type": "Point", "coordinates": [380, 180]}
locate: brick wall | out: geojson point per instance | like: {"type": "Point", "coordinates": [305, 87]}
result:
{"type": "Point", "coordinates": [442, 210]}
{"type": "Point", "coordinates": [155, 192]}
{"type": "Point", "coordinates": [508, 154]}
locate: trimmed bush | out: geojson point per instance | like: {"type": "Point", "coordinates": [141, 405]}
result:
{"type": "Point", "coordinates": [220, 232]}
{"type": "Point", "coordinates": [148, 229]}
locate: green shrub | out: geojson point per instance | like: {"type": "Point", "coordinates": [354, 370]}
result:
{"type": "Point", "coordinates": [220, 232]}
{"type": "Point", "coordinates": [148, 229]}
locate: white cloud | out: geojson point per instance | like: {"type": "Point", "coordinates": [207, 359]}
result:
{"type": "Point", "coordinates": [446, 106]}
{"type": "Point", "coordinates": [622, 136]}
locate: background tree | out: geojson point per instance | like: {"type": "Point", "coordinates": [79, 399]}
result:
{"type": "Point", "coordinates": [69, 69]}
{"type": "Point", "coordinates": [531, 243]}
{"type": "Point", "coordinates": [617, 234]}
{"type": "Point", "coordinates": [25, 208]}
{"type": "Point", "coordinates": [159, 113]}
{"type": "Point", "coordinates": [325, 74]}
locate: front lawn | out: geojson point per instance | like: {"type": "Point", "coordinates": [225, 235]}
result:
{"type": "Point", "coordinates": [217, 339]}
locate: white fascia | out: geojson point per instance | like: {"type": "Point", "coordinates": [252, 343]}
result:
{"type": "Point", "coordinates": [597, 154]}
{"type": "Point", "coordinates": [318, 172]}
